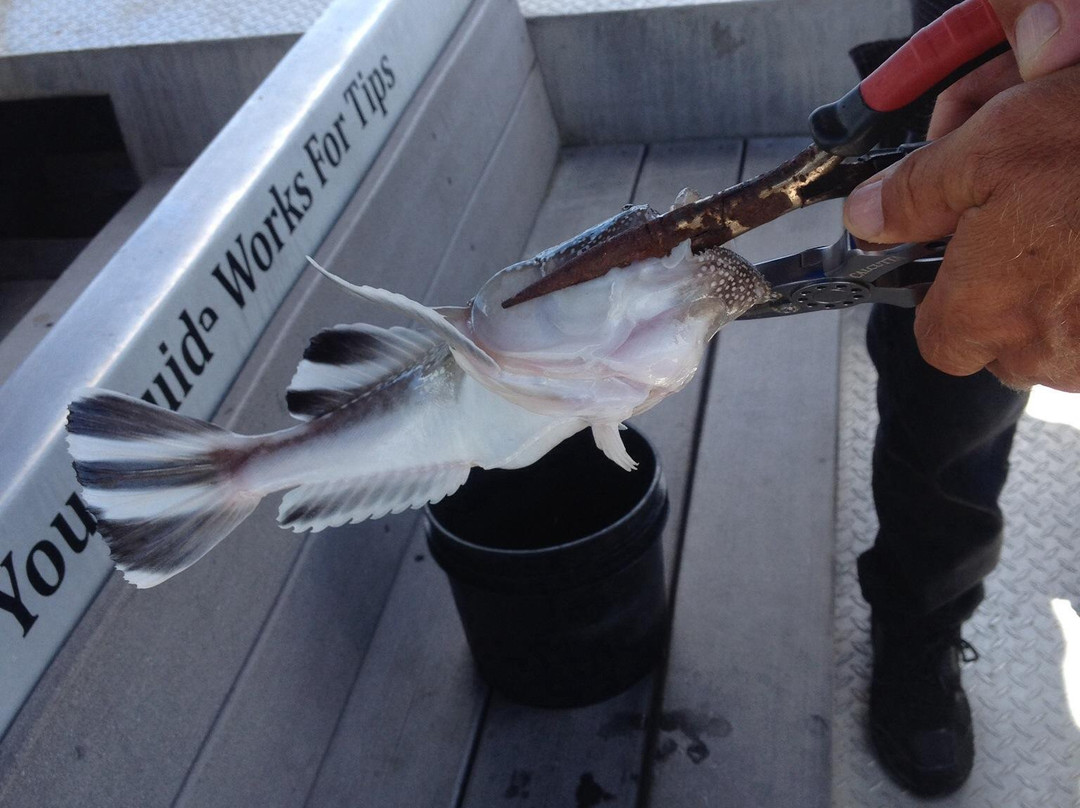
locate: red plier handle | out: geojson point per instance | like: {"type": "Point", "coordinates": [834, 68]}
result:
{"type": "Point", "coordinates": [853, 125]}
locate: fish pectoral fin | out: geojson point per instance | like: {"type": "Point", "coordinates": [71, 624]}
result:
{"type": "Point", "coordinates": [457, 315]}
{"type": "Point", "coordinates": [333, 503]}
{"type": "Point", "coordinates": [430, 317]}
{"type": "Point", "coordinates": [610, 442]}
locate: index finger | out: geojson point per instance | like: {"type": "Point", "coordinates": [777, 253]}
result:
{"type": "Point", "coordinates": [956, 104]}
{"type": "Point", "coordinates": [922, 197]}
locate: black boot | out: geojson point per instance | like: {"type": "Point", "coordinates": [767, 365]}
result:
{"type": "Point", "coordinates": [920, 721]}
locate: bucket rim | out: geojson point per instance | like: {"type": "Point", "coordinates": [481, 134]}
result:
{"type": "Point", "coordinates": [643, 502]}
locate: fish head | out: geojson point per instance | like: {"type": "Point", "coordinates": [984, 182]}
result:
{"type": "Point", "coordinates": [615, 344]}
{"type": "Point", "coordinates": [712, 288]}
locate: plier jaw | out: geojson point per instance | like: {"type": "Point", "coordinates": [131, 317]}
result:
{"type": "Point", "coordinates": [848, 273]}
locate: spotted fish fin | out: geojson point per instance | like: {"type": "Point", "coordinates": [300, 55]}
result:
{"type": "Point", "coordinates": [337, 502]}
{"type": "Point", "coordinates": [610, 442]}
{"type": "Point", "coordinates": [430, 317]}
{"type": "Point", "coordinates": [345, 362]}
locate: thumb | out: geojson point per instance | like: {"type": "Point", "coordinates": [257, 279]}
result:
{"type": "Point", "coordinates": [1045, 34]}
{"type": "Point", "coordinates": [920, 198]}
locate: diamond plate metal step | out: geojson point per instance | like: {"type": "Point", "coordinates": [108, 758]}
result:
{"type": "Point", "coordinates": [1027, 740]}
{"type": "Point", "coordinates": [53, 26]}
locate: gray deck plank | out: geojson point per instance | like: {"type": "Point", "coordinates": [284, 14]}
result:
{"type": "Point", "coordinates": [706, 166]}
{"type": "Point", "coordinates": [592, 183]}
{"type": "Point", "coordinates": [430, 747]}
{"type": "Point", "coordinates": [530, 753]}
{"type": "Point", "coordinates": [407, 729]}
{"type": "Point", "coordinates": [139, 686]}
{"type": "Point", "coordinates": [571, 757]}
{"type": "Point", "coordinates": [298, 680]}
{"type": "Point", "coordinates": [405, 733]}
{"type": "Point", "coordinates": [747, 700]}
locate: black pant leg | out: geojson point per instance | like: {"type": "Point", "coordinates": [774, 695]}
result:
{"type": "Point", "coordinates": [940, 461]}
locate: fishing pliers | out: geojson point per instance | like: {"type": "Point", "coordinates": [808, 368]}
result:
{"type": "Point", "coordinates": [841, 157]}
{"type": "Point", "coordinates": [849, 272]}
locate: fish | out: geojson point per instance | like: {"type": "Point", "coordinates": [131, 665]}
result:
{"type": "Point", "coordinates": [395, 418]}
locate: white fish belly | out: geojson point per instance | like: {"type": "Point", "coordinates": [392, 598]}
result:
{"type": "Point", "coordinates": [445, 419]}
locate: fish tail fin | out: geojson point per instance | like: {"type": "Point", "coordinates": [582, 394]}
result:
{"type": "Point", "coordinates": [163, 487]}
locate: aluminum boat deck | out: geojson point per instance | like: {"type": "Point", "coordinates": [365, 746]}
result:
{"type": "Point", "coordinates": [332, 670]}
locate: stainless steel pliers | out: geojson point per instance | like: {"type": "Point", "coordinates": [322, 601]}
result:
{"type": "Point", "coordinates": [849, 272]}
{"type": "Point", "coordinates": [846, 274]}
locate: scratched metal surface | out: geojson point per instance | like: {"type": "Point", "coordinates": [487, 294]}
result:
{"type": "Point", "coordinates": [551, 8]}
{"type": "Point", "coordinates": [1027, 630]}
{"type": "Point", "coordinates": [52, 26]}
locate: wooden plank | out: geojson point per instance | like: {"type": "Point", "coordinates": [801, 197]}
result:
{"type": "Point", "coordinates": [571, 757]}
{"type": "Point", "coordinates": [746, 703]}
{"type": "Point", "coordinates": [146, 677]}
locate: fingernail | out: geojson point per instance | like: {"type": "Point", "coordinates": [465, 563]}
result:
{"type": "Point", "coordinates": [864, 214]}
{"type": "Point", "coordinates": [1035, 26]}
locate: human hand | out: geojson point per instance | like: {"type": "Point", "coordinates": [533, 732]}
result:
{"type": "Point", "coordinates": [1045, 36]}
{"type": "Point", "coordinates": [1003, 179]}
{"type": "Point", "coordinates": [1007, 295]}
{"type": "Point", "coordinates": [963, 99]}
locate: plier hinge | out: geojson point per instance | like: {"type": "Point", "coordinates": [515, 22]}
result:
{"type": "Point", "coordinates": [848, 273]}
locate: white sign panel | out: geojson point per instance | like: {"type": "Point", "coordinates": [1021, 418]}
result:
{"type": "Point", "coordinates": [173, 316]}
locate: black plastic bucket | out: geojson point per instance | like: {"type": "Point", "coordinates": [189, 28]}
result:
{"type": "Point", "coordinates": [558, 572]}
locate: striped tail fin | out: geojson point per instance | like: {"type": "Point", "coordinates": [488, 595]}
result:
{"type": "Point", "coordinates": [161, 485]}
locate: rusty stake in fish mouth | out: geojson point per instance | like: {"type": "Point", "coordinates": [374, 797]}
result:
{"type": "Point", "coordinates": [809, 177]}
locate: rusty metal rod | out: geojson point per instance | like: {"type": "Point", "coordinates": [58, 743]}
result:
{"type": "Point", "coordinates": [708, 222]}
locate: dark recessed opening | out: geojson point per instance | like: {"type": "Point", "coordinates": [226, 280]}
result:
{"type": "Point", "coordinates": [64, 171]}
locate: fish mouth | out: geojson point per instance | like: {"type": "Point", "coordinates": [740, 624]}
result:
{"type": "Point", "coordinates": [591, 359]}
